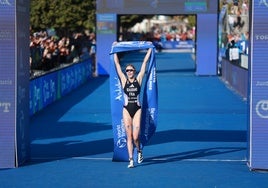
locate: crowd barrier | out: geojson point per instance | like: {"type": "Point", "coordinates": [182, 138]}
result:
{"type": "Point", "coordinates": [50, 87]}
{"type": "Point", "coordinates": [188, 44]}
{"type": "Point", "coordinates": [236, 76]}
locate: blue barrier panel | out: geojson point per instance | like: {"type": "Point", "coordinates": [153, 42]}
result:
{"type": "Point", "coordinates": [50, 87]}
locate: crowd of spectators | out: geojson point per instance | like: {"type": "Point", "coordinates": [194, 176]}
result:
{"type": "Point", "coordinates": [159, 33]}
{"type": "Point", "coordinates": [48, 52]}
{"type": "Point", "coordinates": [237, 15]}
{"type": "Point", "coordinates": [173, 33]}
{"type": "Point", "coordinates": [237, 31]}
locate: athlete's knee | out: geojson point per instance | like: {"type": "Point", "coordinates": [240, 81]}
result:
{"type": "Point", "coordinates": [129, 137]}
{"type": "Point", "coordinates": [135, 139]}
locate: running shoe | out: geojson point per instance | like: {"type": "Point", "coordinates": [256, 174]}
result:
{"type": "Point", "coordinates": [140, 157]}
{"type": "Point", "coordinates": [131, 163]}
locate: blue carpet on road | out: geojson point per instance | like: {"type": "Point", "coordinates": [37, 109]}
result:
{"type": "Point", "coordinates": [200, 141]}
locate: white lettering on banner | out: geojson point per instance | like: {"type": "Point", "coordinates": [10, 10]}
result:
{"type": "Point", "coordinates": [262, 83]}
{"type": "Point", "coordinates": [49, 89]}
{"type": "Point", "coordinates": [152, 79]}
{"type": "Point", "coordinates": [154, 73]}
{"type": "Point", "coordinates": [150, 82]}
{"type": "Point", "coordinates": [5, 2]}
{"type": "Point", "coordinates": [120, 130]}
{"type": "Point", "coordinates": [5, 82]}
{"type": "Point", "coordinates": [262, 108]}
{"type": "Point", "coordinates": [261, 37]}
{"type": "Point", "coordinates": [46, 92]}
{"type": "Point", "coordinates": [5, 106]}
{"type": "Point", "coordinates": [149, 118]}
{"type": "Point", "coordinates": [52, 87]}
{"type": "Point", "coordinates": [5, 35]}
{"type": "Point", "coordinates": [63, 82]}
{"type": "Point", "coordinates": [67, 81]}
{"type": "Point", "coordinates": [152, 112]}
{"type": "Point", "coordinates": [121, 134]}
{"type": "Point", "coordinates": [139, 43]}
{"type": "Point", "coordinates": [118, 90]}
{"type": "Point", "coordinates": [36, 96]}
{"type": "Point", "coordinates": [263, 2]}
{"type": "Point", "coordinates": [183, 44]}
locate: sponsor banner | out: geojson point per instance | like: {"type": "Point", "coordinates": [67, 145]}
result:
{"type": "Point", "coordinates": [259, 87]}
{"type": "Point", "coordinates": [43, 91]}
{"type": "Point", "coordinates": [188, 44]}
{"type": "Point", "coordinates": [156, 7]}
{"type": "Point", "coordinates": [106, 24]}
{"type": "Point", "coordinates": [196, 6]}
{"type": "Point", "coordinates": [48, 88]}
{"type": "Point", "coordinates": [149, 106]}
{"type": "Point", "coordinates": [7, 84]}
{"type": "Point", "coordinates": [106, 35]}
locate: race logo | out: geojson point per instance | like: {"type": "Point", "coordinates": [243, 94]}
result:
{"type": "Point", "coordinates": [262, 109]}
{"type": "Point", "coordinates": [121, 135]}
{"type": "Point", "coordinates": [121, 143]}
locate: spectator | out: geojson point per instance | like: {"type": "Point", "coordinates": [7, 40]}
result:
{"type": "Point", "coordinates": [92, 53]}
{"type": "Point", "coordinates": [239, 23]}
{"type": "Point", "coordinates": [235, 6]}
{"type": "Point", "coordinates": [63, 50]}
{"type": "Point", "coordinates": [48, 52]}
{"type": "Point", "coordinates": [35, 53]}
{"type": "Point", "coordinates": [48, 55]}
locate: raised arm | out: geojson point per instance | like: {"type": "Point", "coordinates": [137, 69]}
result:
{"type": "Point", "coordinates": [143, 66]}
{"type": "Point", "coordinates": [119, 69]}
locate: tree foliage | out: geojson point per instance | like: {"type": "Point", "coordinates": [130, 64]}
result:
{"type": "Point", "coordinates": [64, 16]}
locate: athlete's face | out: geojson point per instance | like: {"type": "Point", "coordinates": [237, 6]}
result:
{"type": "Point", "coordinates": [130, 71]}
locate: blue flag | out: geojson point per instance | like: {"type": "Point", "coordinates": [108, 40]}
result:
{"type": "Point", "coordinates": [149, 106]}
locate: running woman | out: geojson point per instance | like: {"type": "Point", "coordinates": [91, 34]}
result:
{"type": "Point", "coordinates": [131, 85]}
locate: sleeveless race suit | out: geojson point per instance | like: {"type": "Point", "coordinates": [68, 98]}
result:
{"type": "Point", "coordinates": [131, 97]}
